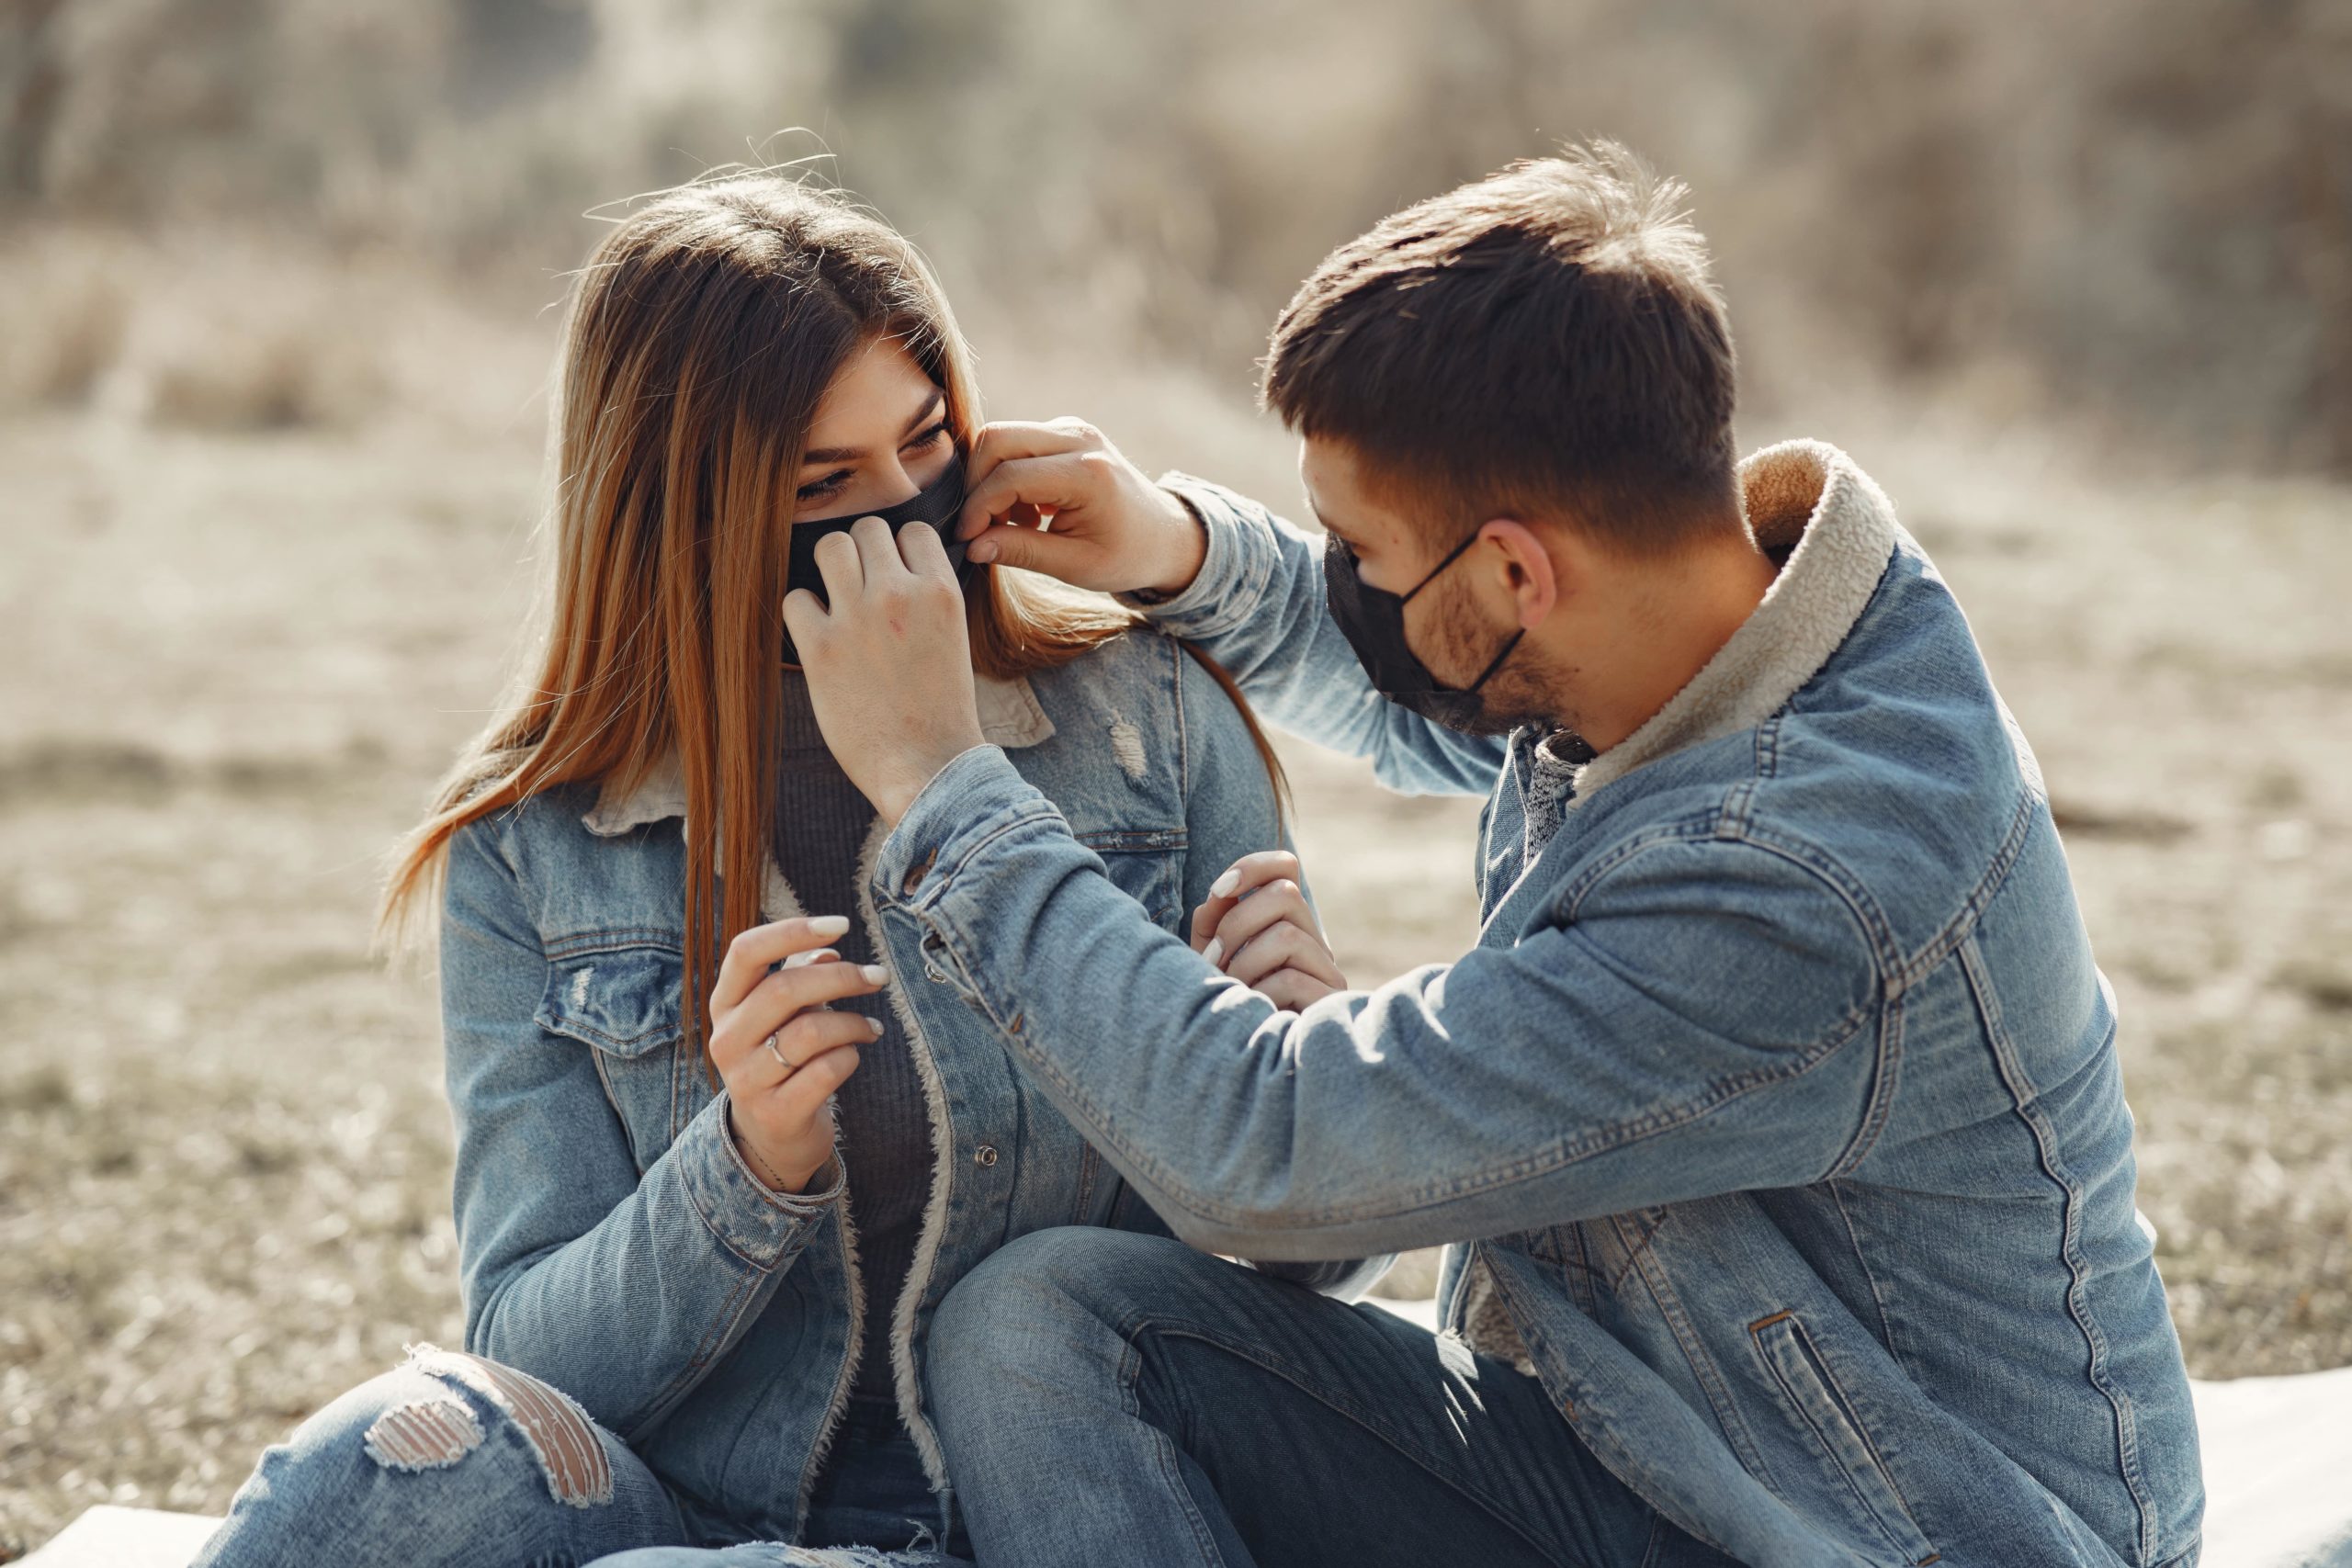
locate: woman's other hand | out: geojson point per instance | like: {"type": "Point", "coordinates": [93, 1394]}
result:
{"type": "Point", "coordinates": [1111, 529]}
{"type": "Point", "coordinates": [780, 1108]}
{"type": "Point", "coordinates": [1257, 928]}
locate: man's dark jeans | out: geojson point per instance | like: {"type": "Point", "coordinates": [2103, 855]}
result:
{"type": "Point", "coordinates": [1107, 1397]}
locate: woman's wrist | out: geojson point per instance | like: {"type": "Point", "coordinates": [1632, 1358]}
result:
{"type": "Point", "coordinates": [769, 1175]}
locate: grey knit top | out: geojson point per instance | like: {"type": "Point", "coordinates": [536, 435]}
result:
{"type": "Point", "coordinates": [821, 823]}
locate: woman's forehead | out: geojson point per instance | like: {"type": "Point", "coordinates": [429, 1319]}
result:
{"type": "Point", "coordinates": [873, 395]}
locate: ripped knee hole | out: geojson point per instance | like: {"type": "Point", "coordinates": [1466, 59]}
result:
{"type": "Point", "coordinates": [440, 1429]}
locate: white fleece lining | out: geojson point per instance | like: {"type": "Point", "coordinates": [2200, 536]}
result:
{"type": "Point", "coordinates": [1486, 1324]}
{"type": "Point", "coordinates": [934, 1212]}
{"type": "Point", "coordinates": [662, 792]}
{"type": "Point", "coordinates": [1010, 715]}
{"type": "Point", "coordinates": [779, 902]}
{"type": "Point", "coordinates": [1811, 496]}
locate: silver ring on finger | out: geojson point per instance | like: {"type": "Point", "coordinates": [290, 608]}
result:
{"type": "Point", "coordinates": [773, 1048]}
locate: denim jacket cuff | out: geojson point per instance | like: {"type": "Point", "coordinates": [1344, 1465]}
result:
{"type": "Point", "coordinates": [970, 801]}
{"type": "Point", "coordinates": [763, 1226]}
{"type": "Point", "coordinates": [1234, 572]}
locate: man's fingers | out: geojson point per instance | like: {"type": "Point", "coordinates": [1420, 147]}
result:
{"type": "Point", "coordinates": [1034, 549]}
{"type": "Point", "coordinates": [1009, 439]}
{"type": "Point", "coordinates": [1056, 482]}
{"type": "Point", "coordinates": [755, 948]}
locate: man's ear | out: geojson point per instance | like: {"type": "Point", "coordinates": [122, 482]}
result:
{"type": "Point", "coordinates": [1536, 579]}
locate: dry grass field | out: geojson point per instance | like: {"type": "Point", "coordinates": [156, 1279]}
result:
{"type": "Point", "coordinates": [231, 662]}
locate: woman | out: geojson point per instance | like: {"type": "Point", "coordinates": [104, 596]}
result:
{"type": "Point", "coordinates": [725, 1138]}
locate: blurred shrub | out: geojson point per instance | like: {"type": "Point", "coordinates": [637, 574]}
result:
{"type": "Point", "coordinates": [239, 332]}
{"type": "Point", "coordinates": [207, 334]}
{"type": "Point", "coordinates": [2139, 207]}
{"type": "Point", "coordinates": [64, 304]}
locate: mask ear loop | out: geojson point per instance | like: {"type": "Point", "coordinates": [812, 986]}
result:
{"type": "Point", "coordinates": [1496, 663]}
{"type": "Point", "coordinates": [1431, 576]}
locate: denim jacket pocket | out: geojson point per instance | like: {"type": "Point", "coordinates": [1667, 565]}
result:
{"type": "Point", "coordinates": [1148, 865]}
{"type": "Point", "coordinates": [1834, 1435]}
{"type": "Point", "coordinates": [622, 1002]}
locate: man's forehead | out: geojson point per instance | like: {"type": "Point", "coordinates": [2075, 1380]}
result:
{"type": "Point", "coordinates": [1333, 477]}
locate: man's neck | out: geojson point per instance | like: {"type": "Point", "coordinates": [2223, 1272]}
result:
{"type": "Point", "coordinates": [1676, 621]}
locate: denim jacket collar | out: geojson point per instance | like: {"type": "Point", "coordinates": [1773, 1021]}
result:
{"type": "Point", "coordinates": [1010, 717]}
{"type": "Point", "coordinates": [1810, 500]}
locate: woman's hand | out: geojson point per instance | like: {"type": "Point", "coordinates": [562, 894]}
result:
{"type": "Point", "coordinates": [1257, 927]}
{"type": "Point", "coordinates": [780, 1108]}
{"type": "Point", "coordinates": [888, 660]}
{"type": "Point", "coordinates": [1111, 528]}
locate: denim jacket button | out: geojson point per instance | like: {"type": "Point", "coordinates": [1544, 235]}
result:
{"type": "Point", "coordinates": [984, 1154]}
{"type": "Point", "coordinates": [915, 876]}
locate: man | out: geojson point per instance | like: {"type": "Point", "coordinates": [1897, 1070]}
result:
{"type": "Point", "coordinates": [1776, 1114]}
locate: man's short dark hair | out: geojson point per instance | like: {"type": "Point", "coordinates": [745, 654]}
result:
{"type": "Point", "coordinates": [1546, 342]}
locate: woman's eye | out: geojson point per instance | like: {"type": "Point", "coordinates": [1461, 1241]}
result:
{"type": "Point", "coordinates": [930, 437]}
{"type": "Point", "coordinates": [831, 484]}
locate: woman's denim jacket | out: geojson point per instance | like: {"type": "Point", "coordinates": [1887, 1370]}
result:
{"type": "Point", "coordinates": [612, 1241]}
{"type": "Point", "coordinates": [1778, 1104]}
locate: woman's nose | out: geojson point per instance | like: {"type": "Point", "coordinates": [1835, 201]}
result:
{"type": "Point", "coordinates": [898, 484]}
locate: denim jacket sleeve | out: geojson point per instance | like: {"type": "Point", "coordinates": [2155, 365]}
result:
{"type": "Point", "coordinates": [1231, 810]}
{"type": "Point", "coordinates": [618, 1289]}
{"type": "Point", "coordinates": [1700, 1018]}
{"type": "Point", "coordinates": [1257, 606]}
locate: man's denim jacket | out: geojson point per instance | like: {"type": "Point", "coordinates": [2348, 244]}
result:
{"type": "Point", "coordinates": [1777, 1106]}
{"type": "Point", "coordinates": [614, 1242]}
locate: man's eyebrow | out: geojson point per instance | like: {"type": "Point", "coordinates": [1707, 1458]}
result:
{"type": "Point", "coordinates": [852, 453]}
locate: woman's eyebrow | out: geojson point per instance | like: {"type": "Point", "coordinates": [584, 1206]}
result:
{"type": "Point", "coordinates": [852, 453]}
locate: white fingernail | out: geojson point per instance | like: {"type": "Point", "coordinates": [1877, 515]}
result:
{"type": "Point", "coordinates": [829, 926]}
{"type": "Point", "coordinates": [1214, 950]}
{"type": "Point", "coordinates": [800, 960]}
{"type": "Point", "coordinates": [876, 975]}
{"type": "Point", "coordinates": [874, 1027]}
{"type": "Point", "coordinates": [1225, 884]}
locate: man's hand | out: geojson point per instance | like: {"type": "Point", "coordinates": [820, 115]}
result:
{"type": "Point", "coordinates": [1257, 927]}
{"type": "Point", "coordinates": [1058, 498]}
{"type": "Point", "coordinates": [890, 664]}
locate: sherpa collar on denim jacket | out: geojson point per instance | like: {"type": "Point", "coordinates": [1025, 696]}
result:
{"type": "Point", "coordinates": [1010, 717]}
{"type": "Point", "coordinates": [1808, 500]}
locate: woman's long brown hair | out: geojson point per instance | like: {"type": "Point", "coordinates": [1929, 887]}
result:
{"type": "Point", "coordinates": [701, 337]}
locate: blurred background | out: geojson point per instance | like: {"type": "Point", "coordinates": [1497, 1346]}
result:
{"type": "Point", "coordinates": [279, 289]}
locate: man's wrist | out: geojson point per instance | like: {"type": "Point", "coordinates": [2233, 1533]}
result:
{"type": "Point", "coordinates": [1191, 553]}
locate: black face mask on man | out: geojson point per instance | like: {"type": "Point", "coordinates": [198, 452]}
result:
{"type": "Point", "coordinates": [1372, 620]}
{"type": "Point", "coordinates": [937, 504]}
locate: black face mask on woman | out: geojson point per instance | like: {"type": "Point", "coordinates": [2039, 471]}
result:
{"type": "Point", "coordinates": [937, 504]}
{"type": "Point", "coordinates": [1372, 620]}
